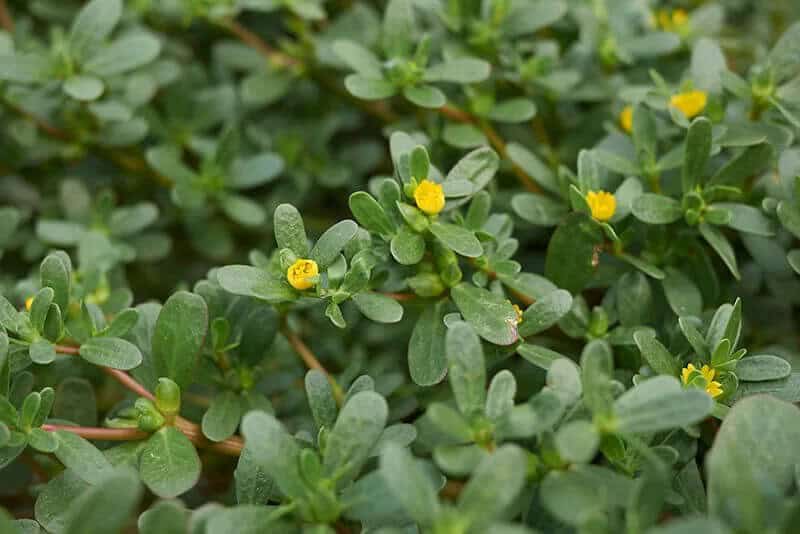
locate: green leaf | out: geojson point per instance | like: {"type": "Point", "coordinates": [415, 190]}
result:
{"type": "Point", "coordinates": [527, 18]}
{"type": "Point", "coordinates": [246, 173]}
{"type": "Point", "coordinates": [24, 68]}
{"type": "Point", "coordinates": [369, 88]}
{"type": "Point", "coordinates": [332, 242]}
{"type": "Point", "coordinates": [461, 240]}
{"type": "Point", "coordinates": [55, 501]}
{"type": "Point", "coordinates": [761, 367]}
{"type": "Point", "coordinates": [538, 356]}
{"type": "Point", "coordinates": [123, 55]}
{"type": "Point", "coordinates": [426, 96]}
{"type": "Point", "coordinates": [289, 230]}
{"type": "Point", "coordinates": [165, 517]}
{"type": "Point", "coordinates": [571, 255]}
{"type": "Point", "coordinates": [462, 70]}
{"type": "Point", "coordinates": [94, 23]}
{"type": "Point", "coordinates": [409, 484]}
{"type": "Point", "coordinates": [54, 273]}
{"type": "Point", "coordinates": [398, 28]}
{"type": "Point", "coordinates": [754, 449]}
{"type": "Point", "coordinates": [538, 209]}
{"type": "Point", "coordinates": [467, 368]}
{"type": "Point", "coordinates": [84, 88]}
{"type": "Point", "coordinates": [42, 352]}
{"type": "Point", "coordinates": [358, 58]}
{"type": "Point", "coordinates": [106, 507]}
{"type": "Point", "coordinates": [222, 417]}
{"type": "Point", "coordinates": [682, 294]}
{"type": "Point", "coordinates": [752, 161]}
{"type": "Point", "coordinates": [179, 336]}
{"type": "Point", "coordinates": [697, 154]}
{"type": "Point", "coordinates": [660, 404]}
{"type": "Point", "coordinates": [656, 209]}
{"type": "Point", "coordinates": [492, 316]}
{"type": "Point", "coordinates": [378, 307]}
{"type": "Point", "coordinates": [243, 210]}
{"type": "Point", "coordinates": [513, 110]}
{"type": "Point", "coordinates": [59, 232]}
{"type": "Point", "coordinates": [789, 216]}
{"type": "Point", "coordinates": [169, 465]}
{"type": "Point", "coordinates": [500, 397]}
{"type": "Point", "coordinates": [426, 348]}
{"type": "Point", "coordinates": [320, 398]}
{"type": "Point", "coordinates": [545, 312]}
{"type": "Point", "coordinates": [748, 219]}
{"type": "Point", "coordinates": [272, 447]}
{"type": "Point", "coordinates": [655, 354]}
{"type": "Point", "coordinates": [407, 246]}
{"type": "Point", "coordinates": [533, 167]}
{"type": "Point", "coordinates": [248, 519]}
{"type": "Point", "coordinates": [369, 214]}
{"type": "Point", "coordinates": [721, 246]}
{"type": "Point", "coordinates": [494, 485]}
{"type": "Point", "coordinates": [597, 366]}
{"type": "Point", "coordinates": [254, 282]}
{"type": "Point", "coordinates": [577, 441]}
{"type": "Point", "coordinates": [357, 430]}
{"type": "Point", "coordinates": [111, 352]}
{"type": "Point", "coordinates": [81, 457]}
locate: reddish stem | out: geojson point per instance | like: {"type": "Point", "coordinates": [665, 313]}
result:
{"type": "Point", "coordinates": [104, 434]}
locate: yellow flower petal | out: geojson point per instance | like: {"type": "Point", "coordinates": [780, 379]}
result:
{"type": "Point", "coordinates": [714, 389]}
{"type": "Point", "coordinates": [686, 372]}
{"type": "Point", "coordinates": [302, 274]}
{"type": "Point", "coordinates": [28, 303]}
{"type": "Point", "coordinates": [602, 203]}
{"type": "Point", "coordinates": [690, 103]}
{"type": "Point", "coordinates": [429, 197]}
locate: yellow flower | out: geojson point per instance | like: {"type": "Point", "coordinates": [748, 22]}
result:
{"type": "Point", "coordinates": [674, 21]}
{"type": "Point", "coordinates": [713, 387]}
{"type": "Point", "coordinates": [690, 103]}
{"type": "Point", "coordinates": [28, 303]}
{"type": "Point", "coordinates": [602, 203]}
{"type": "Point", "coordinates": [302, 274]}
{"type": "Point", "coordinates": [429, 197]}
{"type": "Point", "coordinates": [626, 118]}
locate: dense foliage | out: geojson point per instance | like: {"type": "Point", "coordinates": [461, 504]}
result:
{"type": "Point", "coordinates": [449, 267]}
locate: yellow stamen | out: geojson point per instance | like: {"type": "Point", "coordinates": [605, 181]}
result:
{"type": "Point", "coordinates": [302, 274]}
{"type": "Point", "coordinates": [429, 197]}
{"type": "Point", "coordinates": [602, 203]}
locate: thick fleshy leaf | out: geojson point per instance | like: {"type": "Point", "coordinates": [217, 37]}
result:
{"type": "Point", "coordinates": [169, 465]}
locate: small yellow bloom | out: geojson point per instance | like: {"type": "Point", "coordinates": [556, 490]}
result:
{"type": "Point", "coordinates": [713, 387]}
{"type": "Point", "coordinates": [302, 274]}
{"type": "Point", "coordinates": [690, 103]}
{"type": "Point", "coordinates": [429, 197]}
{"type": "Point", "coordinates": [673, 21]}
{"type": "Point", "coordinates": [519, 313]}
{"type": "Point", "coordinates": [28, 303]}
{"type": "Point", "coordinates": [626, 118]}
{"type": "Point", "coordinates": [602, 203]}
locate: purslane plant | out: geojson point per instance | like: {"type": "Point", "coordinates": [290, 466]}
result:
{"type": "Point", "coordinates": [301, 267]}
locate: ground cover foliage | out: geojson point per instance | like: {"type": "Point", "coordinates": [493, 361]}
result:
{"type": "Point", "coordinates": [432, 266]}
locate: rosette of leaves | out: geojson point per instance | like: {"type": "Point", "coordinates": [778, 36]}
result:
{"type": "Point", "coordinates": [84, 62]}
{"type": "Point", "coordinates": [105, 234]}
{"type": "Point", "coordinates": [221, 174]}
{"type": "Point", "coordinates": [344, 259]}
{"type": "Point", "coordinates": [404, 68]}
{"type": "Point", "coordinates": [773, 83]}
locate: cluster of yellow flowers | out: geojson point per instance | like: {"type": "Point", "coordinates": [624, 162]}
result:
{"type": "Point", "coordinates": [673, 21]}
{"type": "Point", "coordinates": [691, 103]}
{"type": "Point", "coordinates": [713, 387]}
